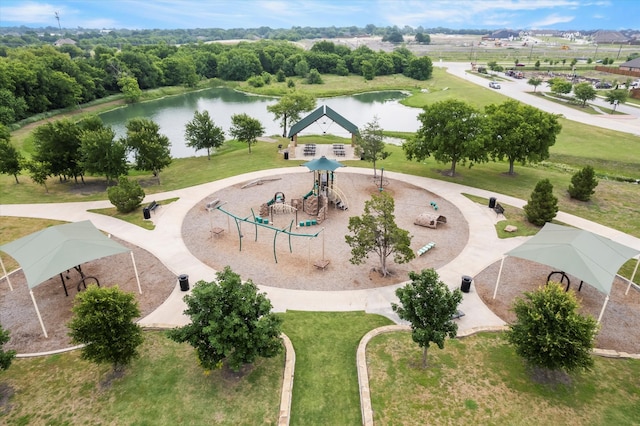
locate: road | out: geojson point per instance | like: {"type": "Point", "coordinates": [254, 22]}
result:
{"type": "Point", "coordinates": [518, 89]}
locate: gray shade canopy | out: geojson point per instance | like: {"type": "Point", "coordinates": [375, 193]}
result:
{"type": "Point", "coordinates": [53, 250]}
{"type": "Point", "coordinates": [592, 258]}
{"type": "Point", "coordinates": [323, 163]}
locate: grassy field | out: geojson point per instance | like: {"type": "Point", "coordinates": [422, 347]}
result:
{"type": "Point", "coordinates": [165, 386]}
{"type": "Point", "coordinates": [325, 389]}
{"type": "Point", "coordinates": [480, 380]}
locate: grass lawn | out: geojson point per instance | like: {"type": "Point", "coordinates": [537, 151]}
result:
{"type": "Point", "coordinates": [480, 380]}
{"type": "Point", "coordinates": [325, 389]}
{"type": "Point", "coordinates": [165, 386]}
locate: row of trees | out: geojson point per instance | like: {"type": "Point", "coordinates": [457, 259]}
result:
{"type": "Point", "coordinates": [38, 79]}
{"type": "Point", "coordinates": [456, 132]}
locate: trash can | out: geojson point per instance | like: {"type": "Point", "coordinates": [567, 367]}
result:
{"type": "Point", "coordinates": [492, 202]}
{"type": "Point", "coordinates": [146, 213]}
{"type": "Point", "coordinates": [184, 282]}
{"type": "Point", "coordinates": [286, 155]}
{"type": "Point", "coordinates": [466, 283]}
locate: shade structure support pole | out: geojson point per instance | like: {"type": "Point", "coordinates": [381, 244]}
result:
{"type": "Point", "coordinates": [495, 290]}
{"type": "Point", "coordinates": [4, 271]}
{"type": "Point", "coordinates": [603, 308]}
{"type": "Point", "coordinates": [633, 276]}
{"type": "Point", "coordinates": [135, 269]}
{"type": "Point", "coordinates": [44, 330]}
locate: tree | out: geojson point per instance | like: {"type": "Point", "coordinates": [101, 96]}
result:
{"type": "Point", "coordinates": [583, 184]}
{"type": "Point", "coordinates": [420, 68]}
{"type": "Point", "coordinates": [130, 89]}
{"type": "Point", "coordinates": [11, 160]}
{"type": "Point", "coordinates": [368, 71]}
{"type": "Point", "coordinates": [584, 92]}
{"type": "Point", "coordinates": [617, 96]}
{"type": "Point", "coordinates": [423, 38]}
{"type": "Point", "coordinates": [314, 77]}
{"type": "Point", "coordinates": [535, 82]}
{"type": "Point", "coordinates": [550, 333]}
{"type": "Point", "coordinates": [58, 144]}
{"type": "Point", "coordinates": [149, 147]}
{"type": "Point", "coordinates": [6, 357]}
{"type": "Point", "coordinates": [126, 196]}
{"type": "Point", "coordinates": [103, 322]}
{"type": "Point", "coordinates": [290, 107]}
{"type": "Point", "coordinates": [246, 129]}
{"type": "Point", "coordinates": [101, 154]}
{"type": "Point", "coordinates": [560, 86]}
{"type": "Point", "coordinates": [429, 305]}
{"type": "Point", "coordinates": [370, 143]}
{"type": "Point", "coordinates": [39, 172]}
{"type": "Point", "coordinates": [452, 131]}
{"type": "Point", "coordinates": [230, 322]}
{"type": "Point", "coordinates": [202, 133]}
{"type": "Point", "coordinates": [520, 132]}
{"type": "Point", "coordinates": [377, 232]}
{"type": "Point", "coordinates": [393, 36]}
{"type": "Point", "coordinates": [542, 206]}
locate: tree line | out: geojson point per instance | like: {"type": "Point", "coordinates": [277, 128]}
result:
{"type": "Point", "coordinates": [38, 79]}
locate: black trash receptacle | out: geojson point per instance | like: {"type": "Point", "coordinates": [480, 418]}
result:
{"type": "Point", "coordinates": [466, 283]}
{"type": "Point", "coordinates": [184, 282]}
{"type": "Point", "coordinates": [286, 155]}
{"type": "Point", "coordinates": [146, 213]}
{"type": "Point", "coordinates": [492, 202]}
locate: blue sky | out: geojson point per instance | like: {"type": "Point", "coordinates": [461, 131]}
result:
{"type": "Point", "coordinates": [455, 14]}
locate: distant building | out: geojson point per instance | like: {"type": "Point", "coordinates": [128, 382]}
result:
{"type": "Point", "coordinates": [503, 35]}
{"type": "Point", "coordinates": [63, 41]}
{"type": "Point", "coordinates": [632, 65]}
{"type": "Point", "coordinates": [609, 37]}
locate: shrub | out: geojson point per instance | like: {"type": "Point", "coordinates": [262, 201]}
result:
{"type": "Point", "coordinates": [314, 77]}
{"type": "Point", "coordinates": [280, 76]}
{"type": "Point", "coordinates": [583, 184]}
{"type": "Point", "coordinates": [126, 196]}
{"type": "Point", "coordinates": [6, 357]}
{"type": "Point", "coordinates": [543, 205]}
{"type": "Point", "coordinates": [256, 81]}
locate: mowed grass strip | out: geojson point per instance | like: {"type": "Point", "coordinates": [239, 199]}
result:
{"type": "Point", "coordinates": [165, 386]}
{"type": "Point", "coordinates": [480, 380]}
{"type": "Point", "coordinates": [325, 389]}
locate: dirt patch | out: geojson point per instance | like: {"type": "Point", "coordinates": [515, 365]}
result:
{"type": "Point", "coordinates": [6, 392]}
{"type": "Point", "coordinates": [295, 268]}
{"type": "Point", "coordinates": [620, 326]}
{"type": "Point", "coordinates": [18, 315]}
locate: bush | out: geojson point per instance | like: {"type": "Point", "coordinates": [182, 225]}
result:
{"type": "Point", "coordinates": [127, 196]}
{"type": "Point", "coordinates": [543, 205]}
{"type": "Point", "coordinates": [583, 184]}
{"type": "Point", "coordinates": [291, 84]}
{"type": "Point", "coordinates": [6, 357]}
{"type": "Point", "coordinates": [256, 81]}
{"type": "Point", "coordinates": [314, 77]}
{"type": "Point", "coordinates": [280, 76]}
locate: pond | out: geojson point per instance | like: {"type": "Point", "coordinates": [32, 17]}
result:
{"type": "Point", "coordinates": [172, 114]}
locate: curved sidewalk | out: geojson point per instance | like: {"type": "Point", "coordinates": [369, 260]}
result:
{"type": "Point", "coordinates": [165, 242]}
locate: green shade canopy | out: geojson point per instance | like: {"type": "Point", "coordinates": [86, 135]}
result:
{"type": "Point", "coordinates": [53, 250]}
{"type": "Point", "coordinates": [592, 258]}
{"type": "Point", "coordinates": [323, 163]}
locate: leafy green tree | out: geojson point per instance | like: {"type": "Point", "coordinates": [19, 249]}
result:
{"type": "Point", "coordinates": [12, 108]}
{"type": "Point", "coordinates": [419, 68]}
{"type": "Point", "coordinates": [58, 144]}
{"type": "Point", "coordinates": [370, 143]}
{"type": "Point", "coordinates": [103, 321]}
{"type": "Point", "coordinates": [583, 184]}
{"type": "Point", "coordinates": [384, 65]}
{"type": "Point", "coordinates": [130, 89]}
{"type": "Point", "coordinates": [535, 82]}
{"type": "Point", "coordinates": [376, 232]}
{"type": "Point", "coordinates": [314, 77]}
{"type": "Point", "coordinates": [550, 333]}
{"type": "Point", "coordinates": [520, 132]}
{"type": "Point", "coordinates": [584, 92]}
{"type": "Point", "coordinates": [39, 172]}
{"type": "Point", "coordinates": [246, 129]}
{"type": "Point", "coordinates": [617, 96]}
{"type": "Point", "coordinates": [231, 322]}
{"type": "Point", "coordinates": [6, 357]}
{"type": "Point", "coordinates": [202, 133]}
{"type": "Point", "coordinates": [126, 196]}
{"type": "Point", "coordinates": [11, 161]}
{"type": "Point", "coordinates": [150, 148]}
{"type": "Point", "coordinates": [428, 304]}
{"type": "Point", "coordinates": [368, 72]}
{"type": "Point", "coordinates": [542, 206]}
{"type": "Point", "coordinates": [537, 65]}
{"type": "Point", "coordinates": [101, 154]}
{"type": "Point", "coordinates": [423, 38]}
{"type": "Point", "coordinates": [290, 107]}
{"type": "Point", "coordinates": [560, 86]}
{"type": "Point", "coordinates": [451, 130]}
{"type": "Point", "coordinates": [393, 36]}
{"type": "Point", "coordinates": [302, 68]}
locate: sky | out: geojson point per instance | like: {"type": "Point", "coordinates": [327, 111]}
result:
{"type": "Point", "coordinates": [453, 14]}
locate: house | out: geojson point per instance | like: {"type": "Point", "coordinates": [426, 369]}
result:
{"type": "Point", "coordinates": [609, 37]}
{"type": "Point", "coordinates": [632, 65]}
{"type": "Point", "coordinates": [63, 41]}
{"type": "Point", "coordinates": [503, 35]}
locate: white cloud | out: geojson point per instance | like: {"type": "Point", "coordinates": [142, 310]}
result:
{"type": "Point", "coordinates": [41, 13]}
{"type": "Point", "coordinates": [551, 20]}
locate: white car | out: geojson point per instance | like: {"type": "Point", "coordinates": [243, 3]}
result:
{"type": "Point", "coordinates": [494, 85]}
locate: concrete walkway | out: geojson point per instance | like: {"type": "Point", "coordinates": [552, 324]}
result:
{"type": "Point", "coordinates": [165, 242]}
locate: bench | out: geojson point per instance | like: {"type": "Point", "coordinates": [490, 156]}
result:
{"type": "Point", "coordinates": [152, 206]}
{"type": "Point", "coordinates": [498, 209]}
{"type": "Point", "coordinates": [426, 248]}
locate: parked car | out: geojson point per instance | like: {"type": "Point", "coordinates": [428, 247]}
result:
{"type": "Point", "coordinates": [603, 85]}
{"type": "Point", "coordinates": [494, 85]}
